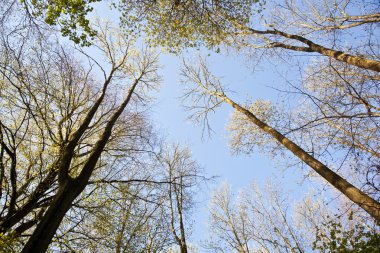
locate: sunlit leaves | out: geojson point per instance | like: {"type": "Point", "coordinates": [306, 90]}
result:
{"type": "Point", "coordinates": [174, 24]}
{"type": "Point", "coordinates": [244, 135]}
{"type": "Point", "coordinates": [179, 24]}
{"type": "Point", "coordinates": [358, 238]}
{"type": "Point", "coordinates": [7, 243]}
{"type": "Point", "coordinates": [70, 15]}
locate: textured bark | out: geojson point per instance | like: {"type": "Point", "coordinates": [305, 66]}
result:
{"type": "Point", "coordinates": [354, 194]}
{"type": "Point", "coordinates": [354, 60]}
{"type": "Point", "coordinates": [347, 58]}
{"type": "Point", "coordinates": [41, 238]}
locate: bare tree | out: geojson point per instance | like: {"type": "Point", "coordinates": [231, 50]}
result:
{"type": "Point", "coordinates": [337, 112]}
{"type": "Point", "coordinates": [122, 217]}
{"type": "Point", "coordinates": [265, 219]}
{"type": "Point", "coordinates": [315, 27]}
{"type": "Point", "coordinates": [207, 89]}
{"type": "Point", "coordinates": [186, 175]}
{"type": "Point", "coordinates": [256, 221]}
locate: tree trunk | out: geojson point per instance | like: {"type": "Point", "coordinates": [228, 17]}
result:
{"type": "Point", "coordinates": [70, 188]}
{"type": "Point", "coordinates": [347, 58]}
{"type": "Point", "coordinates": [183, 248]}
{"type": "Point", "coordinates": [354, 194]}
{"type": "Point", "coordinates": [46, 228]}
{"type": "Point", "coordinates": [354, 60]}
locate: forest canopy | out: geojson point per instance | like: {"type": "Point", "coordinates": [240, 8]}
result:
{"type": "Point", "coordinates": [83, 168]}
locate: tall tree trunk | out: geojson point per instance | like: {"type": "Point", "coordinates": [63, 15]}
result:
{"type": "Point", "coordinates": [46, 228]}
{"type": "Point", "coordinates": [354, 194]}
{"type": "Point", "coordinates": [180, 216]}
{"type": "Point", "coordinates": [70, 188]}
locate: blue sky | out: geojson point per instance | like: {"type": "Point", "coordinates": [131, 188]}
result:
{"type": "Point", "coordinates": [213, 153]}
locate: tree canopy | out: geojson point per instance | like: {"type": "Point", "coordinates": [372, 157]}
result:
{"type": "Point", "coordinates": [171, 23]}
{"type": "Point", "coordinates": [82, 167]}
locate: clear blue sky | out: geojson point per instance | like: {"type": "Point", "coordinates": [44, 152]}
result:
{"type": "Point", "coordinates": [213, 153]}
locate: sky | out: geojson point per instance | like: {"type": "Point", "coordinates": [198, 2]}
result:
{"type": "Point", "coordinates": [212, 153]}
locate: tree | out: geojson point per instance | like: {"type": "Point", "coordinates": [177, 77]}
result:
{"type": "Point", "coordinates": [336, 119]}
{"type": "Point", "coordinates": [69, 187]}
{"type": "Point", "coordinates": [187, 23]}
{"type": "Point", "coordinates": [122, 217]}
{"type": "Point", "coordinates": [265, 219]}
{"type": "Point", "coordinates": [213, 23]}
{"type": "Point", "coordinates": [185, 175]}
{"type": "Point", "coordinates": [294, 27]}
{"type": "Point", "coordinates": [256, 221]}
{"type": "Point", "coordinates": [129, 215]}
{"type": "Point", "coordinates": [83, 151]}
{"type": "Point", "coordinates": [207, 89]}
{"type": "Point", "coordinates": [341, 90]}
{"type": "Point", "coordinates": [180, 24]}
{"type": "Point", "coordinates": [54, 132]}
{"type": "Point", "coordinates": [339, 107]}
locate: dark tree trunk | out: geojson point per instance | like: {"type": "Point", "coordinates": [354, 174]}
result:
{"type": "Point", "coordinates": [46, 228]}
{"type": "Point", "coordinates": [70, 188]}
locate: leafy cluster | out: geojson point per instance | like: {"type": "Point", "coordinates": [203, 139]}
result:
{"type": "Point", "coordinates": [245, 136]}
{"type": "Point", "coordinates": [183, 23]}
{"type": "Point", "coordinates": [174, 24]}
{"type": "Point", "coordinates": [341, 240]}
{"type": "Point", "coordinates": [71, 15]}
{"type": "Point", "coordinates": [7, 242]}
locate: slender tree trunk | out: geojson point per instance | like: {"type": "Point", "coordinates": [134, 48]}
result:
{"type": "Point", "coordinates": [183, 248]}
{"type": "Point", "coordinates": [183, 237]}
{"type": "Point", "coordinates": [354, 194]}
